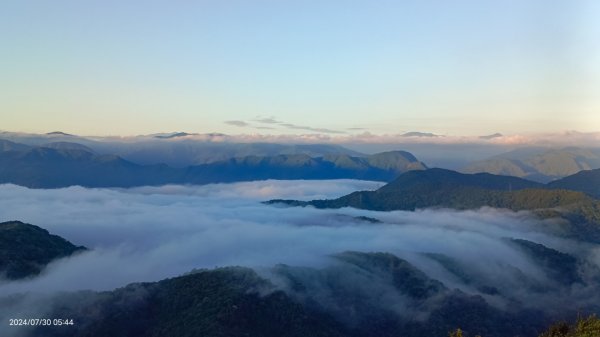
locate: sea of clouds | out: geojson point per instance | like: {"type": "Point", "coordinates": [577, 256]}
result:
{"type": "Point", "coordinates": [150, 233]}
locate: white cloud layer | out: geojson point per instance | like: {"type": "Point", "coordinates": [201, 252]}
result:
{"type": "Point", "coordinates": [151, 233]}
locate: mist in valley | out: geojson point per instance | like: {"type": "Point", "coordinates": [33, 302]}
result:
{"type": "Point", "coordinates": [151, 233]}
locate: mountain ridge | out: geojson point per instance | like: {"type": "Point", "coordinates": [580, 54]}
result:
{"type": "Point", "coordinates": [538, 163]}
{"type": "Point", "coordinates": [232, 301]}
{"type": "Point", "coordinates": [440, 188]}
{"type": "Point", "coordinates": [65, 164]}
{"type": "Point", "coordinates": [26, 249]}
{"type": "Point", "coordinates": [587, 181]}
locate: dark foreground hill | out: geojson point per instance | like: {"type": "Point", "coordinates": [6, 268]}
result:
{"type": "Point", "coordinates": [26, 249]}
{"type": "Point", "coordinates": [359, 294]}
{"type": "Point", "coordinates": [448, 189]}
{"type": "Point", "coordinates": [68, 164]}
{"type": "Point", "coordinates": [352, 294]}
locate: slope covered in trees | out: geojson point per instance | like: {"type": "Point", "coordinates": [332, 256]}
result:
{"type": "Point", "coordinates": [26, 249]}
{"type": "Point", "coordinates": [448, 189]}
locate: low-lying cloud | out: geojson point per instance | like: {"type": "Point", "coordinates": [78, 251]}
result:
{"type": "Point", "coordinates": [151, 233]}
{"type": "Point", "coordinates": [274, 122]}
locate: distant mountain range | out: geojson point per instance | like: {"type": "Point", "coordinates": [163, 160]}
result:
{"type": "Point", "coordinates": [62, 164]}
{"type": "Point", "coordinates": [539, 164]}
{"type": "Point", "coordinates": [444, 188]}
{"type": "Point", "coordinates": [185, 153]}
{"type": "Point", "coordinates": [380, 167]}
{"type": "Point", "coordinates": [178, 149]}
{"type": "Point", "coordinates": [419, 134]}
{"type": "Point", "coordinates": [26, 249]}
{"type": "Point", "coordinates": [492, 136]}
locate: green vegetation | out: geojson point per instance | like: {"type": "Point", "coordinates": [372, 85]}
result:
{"type": "Point", "coordinates": [229, 301]}
{"type": "Point", "coordinates": [458, 333]}
{"type": "Point", "coordinates": [26, 249]}
{"type": "Point", "coordinates": [437, 188]}
{"type": "Point", "coordinates": [355, 297]}
{"type": "Point", "coordinates": [405, 277]}
{"type": "Point", "coordinates": [583, 327]}
{"type": "Point", "coordinates": [561, 267]}
{"type": "Point", "coordinates": [584, 181]}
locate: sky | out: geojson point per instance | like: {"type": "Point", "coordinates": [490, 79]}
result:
{"type": "Point", "coordinates": [299, 67]}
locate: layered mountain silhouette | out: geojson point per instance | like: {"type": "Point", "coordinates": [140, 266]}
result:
{"type": "Point", "coordinates": [449, 189]}
{"type": "Point", "coordinates": [584, 181]}
{"type": "Point", "coordinates": [381, 167]}
{"type": "Point", "coordinates": [6, 145]}
{"type": "Point", "coordinates": [179, 149]}
{"type": "Point", "coordinates": [62, 164]}
{"type": "Point", "coordinates": [539, 164]}
{"type": "Point", "coordinates": [357, 293]}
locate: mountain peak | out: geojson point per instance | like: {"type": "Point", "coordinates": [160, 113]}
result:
{"type": "Point", "coordinates": [419, 134]}
{"type": "Point", "coordinates": [59, 133]}
{"type": "Point", "coordinates": [173, 135]}
{"type": "Point", "coordinates": [492, 136]}
{"type": "Point", "coordinates": [436, 177]}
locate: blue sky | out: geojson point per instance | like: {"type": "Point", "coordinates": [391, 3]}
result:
{"type": "Point", "coordinates": [447, 67]}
